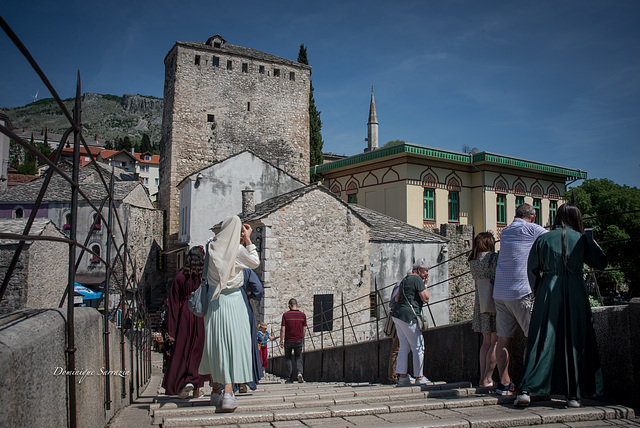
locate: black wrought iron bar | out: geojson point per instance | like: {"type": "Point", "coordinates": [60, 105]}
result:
{"type": "Point", "coordinates": [122, 303]}
{"type": "Point", "coordinates": [71, 349]}
{"type": "Point", "coordinates": [105, 293]}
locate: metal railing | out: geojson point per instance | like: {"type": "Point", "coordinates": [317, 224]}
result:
{"type": "Point", "coordinates": [131, 291]}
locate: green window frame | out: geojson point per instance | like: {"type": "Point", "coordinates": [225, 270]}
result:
{"type": "Point", "coordinates": [429, 204]}
{"type": "Point", "coordinates": [553, 210]}
{"type": "Point", "coordinates": [537, 203]}
{"type": "Point", "coordinates": [352, 199]}
{"type": "Point", "coordinates": [519, 201]}
{"type": "Point", "coordinates": [501, 208]}
{"type": "Point", "coordinates": [454, 207]}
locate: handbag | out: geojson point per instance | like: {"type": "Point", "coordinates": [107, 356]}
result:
{"type": "Point", "coordinates": [198, 301]}
{"type": "Point", "coordinates": [485, 296]}
{"type": "Point", "coordinates": [421, 321]}
{"type": "Point", "coordinates": [389, 326]}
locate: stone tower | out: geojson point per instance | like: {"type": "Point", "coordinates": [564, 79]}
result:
{"type": "Point", "coordinates": [220, 99]}
{"type": "Point", "coordinates": [372, 126]}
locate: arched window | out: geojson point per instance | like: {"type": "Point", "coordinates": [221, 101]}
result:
{"type": "Point", "coordinates": [67, 222]}
{"type": "Point", "coordinates": [97, 222]}
{"type": "Point", "coordinates": [18, 213]}
{"type": "Point", "coordinates": [95, 258]}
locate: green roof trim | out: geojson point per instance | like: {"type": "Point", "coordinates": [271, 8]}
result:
{"type": "Point", "coordinates": [408, 148]}
{"type": "Point", "coordinates": [521, 163]}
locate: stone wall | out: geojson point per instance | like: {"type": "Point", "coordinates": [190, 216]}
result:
{"type": "Point", "coordinates": [144, 241]}
{"type": "Point", "coordinates": [308, 251]}
{"type": "Point", "coordinates": [451, 354]}
{"type": "Point", "coordinates": [212, 112]}
{"type": "Point", "coordinates": [460, 240]}
{"type": "Point", "coordinates": [32, 355]}
{"type": "Point", "coordinates": [40, 276]}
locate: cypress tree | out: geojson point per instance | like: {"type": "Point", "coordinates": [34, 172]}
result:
{"type": "Point", "coordinates": [315, 124]}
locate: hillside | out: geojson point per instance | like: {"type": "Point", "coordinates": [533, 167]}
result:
{"type": "Point", "coordinates": [107, 116]}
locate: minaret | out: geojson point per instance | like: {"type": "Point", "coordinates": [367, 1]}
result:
{"type": "Point", "coordinates": [372, 126]}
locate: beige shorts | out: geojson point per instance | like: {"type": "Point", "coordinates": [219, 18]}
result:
{"type": "Point", "coordinates": [510, 314]}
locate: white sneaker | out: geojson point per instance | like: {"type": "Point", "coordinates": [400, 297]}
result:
{"type": "Point", "coordinates": [184, 392]}
{"type": "Point", "coordinates": [422, 381]}
{"type": "Point", "coordinates": [228, 403]}
{"type": "Point", "coordinates": [215, 398]}
{"type": "Point", "coordinates": [522, 400]}
{"type": "Point", "coordinates": [573, 403]}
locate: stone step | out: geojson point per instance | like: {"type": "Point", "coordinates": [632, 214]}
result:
{"type": "Point", "coordinates": [431, 413]}
{"type": "Point", "coordinates": [344, 396]}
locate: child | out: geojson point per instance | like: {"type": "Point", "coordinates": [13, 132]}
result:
{"type": "Point", "coordinates": [263, 338]}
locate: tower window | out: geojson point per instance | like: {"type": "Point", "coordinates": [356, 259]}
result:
{"type": "Point", "coordinates": [215, 61]}
{"type": "Point", "coordinates": [276, 72]}
{"type": "Point", "coordinates": [211, 118]}
{"type": "Point", "coordinates": [249, 106]}
{"type": "Point", "coordinates": [292, 76]}
{"type": "Point", "coordinates": [197, 59]}
{"type": "Point", "coordinates": [261, 69]}
{"type": "Point", "coordinates": [229, 65]}
{"type": "Point", "coordinates": [245, 67]}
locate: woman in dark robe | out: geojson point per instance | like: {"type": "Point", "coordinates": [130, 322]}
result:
{"type": "Point", "coordinates": [252, 290]}
{"type": "Point", "coordinates": [181, 376]}
{"type": "Point", "coordinates": [562, 353]}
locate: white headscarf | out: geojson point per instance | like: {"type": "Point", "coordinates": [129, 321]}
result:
{"type": "Point", "coordinates": [223, 250]}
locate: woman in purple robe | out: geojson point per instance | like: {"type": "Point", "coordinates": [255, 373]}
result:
{"type": "Point", "coordinates": [181, 375]}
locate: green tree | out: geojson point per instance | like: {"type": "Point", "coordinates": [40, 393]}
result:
{"type": "Point", "coordinates": [394, 143]}
{"type": "Point", "coordinates": [145, 144]}
{"type": "Point", "coordinates": [315, 124]}
{"type": "Point", "coordinates": [613, 211]}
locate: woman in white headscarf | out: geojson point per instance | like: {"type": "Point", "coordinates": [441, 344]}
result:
{"type": "Point", "coordinates": [227, 345]}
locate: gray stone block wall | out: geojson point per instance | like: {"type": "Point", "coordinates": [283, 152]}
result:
{"type": "Point", "coordinates": [307, 251]}
{"type": "Point", "coordinates": [211, 113]}
{"type": "Point", "coordinates": [460, 240]}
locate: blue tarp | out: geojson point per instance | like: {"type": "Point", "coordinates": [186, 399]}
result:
{"type": "Point", "coordinates": [87, 293]}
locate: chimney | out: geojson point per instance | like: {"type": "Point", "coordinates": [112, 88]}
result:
{"type": "Point", "coordinates": [248, 203]}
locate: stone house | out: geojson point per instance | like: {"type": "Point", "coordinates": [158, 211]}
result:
{"type": "Point", "coordinates": [221, 99]}
{"type": "Point", "coordinates": [209, 195]}
{"type": "Point", "coordinates": [144, 166]}
{"type": "Point", "coordinates": [314, 248]}
{"type": "Point", "coordinates": [40, 277]}
{"type": "Point", "coordinates": [134, 212]}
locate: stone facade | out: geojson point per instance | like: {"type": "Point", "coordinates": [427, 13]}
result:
{"type": "Point", "coordinates": [307, 252]}
{"type": "Point", "coordinates": [221, 99]}
{"type": "Point", "coordinates": [460, 240]}
{"type": "Point", "coordinates": [40, 277]}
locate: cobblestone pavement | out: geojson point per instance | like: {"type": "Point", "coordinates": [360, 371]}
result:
{"type": "Point", "coordinates": [339, 404]}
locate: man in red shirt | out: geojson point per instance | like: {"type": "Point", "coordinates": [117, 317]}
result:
{"type": "Point", "coordinates": [292, 331]}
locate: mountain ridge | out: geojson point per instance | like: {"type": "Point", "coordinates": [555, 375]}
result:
{"type": "Point", "coordinates": [103, 115]}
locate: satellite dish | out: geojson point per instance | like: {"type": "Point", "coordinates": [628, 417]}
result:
{"type": "Point", "coordinates": [474, 151]}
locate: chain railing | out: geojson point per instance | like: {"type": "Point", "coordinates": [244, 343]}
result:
{"type": "Point", "coordinates": [131, 291]}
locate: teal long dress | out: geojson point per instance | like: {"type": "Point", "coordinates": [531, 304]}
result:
{"type": "Point", "coordinates": [562, 353]}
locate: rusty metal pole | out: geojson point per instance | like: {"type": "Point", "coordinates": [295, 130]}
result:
{"type": "Point", "coordinates": [107, 333]}
{"type": "Point", "coordinates": [71, 344]}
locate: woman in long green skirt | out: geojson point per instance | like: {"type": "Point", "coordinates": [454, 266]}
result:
{"type": "Point", "coordinates": [562, 353]}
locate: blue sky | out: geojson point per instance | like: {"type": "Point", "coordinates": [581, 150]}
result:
{"type": "Point", "coordinates": [550, 81]}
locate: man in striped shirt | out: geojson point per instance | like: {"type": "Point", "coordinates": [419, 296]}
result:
{"type": "Point", "coordinates": [292, 333]}
{"type": "Point", "coordinates": [511, 291]}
